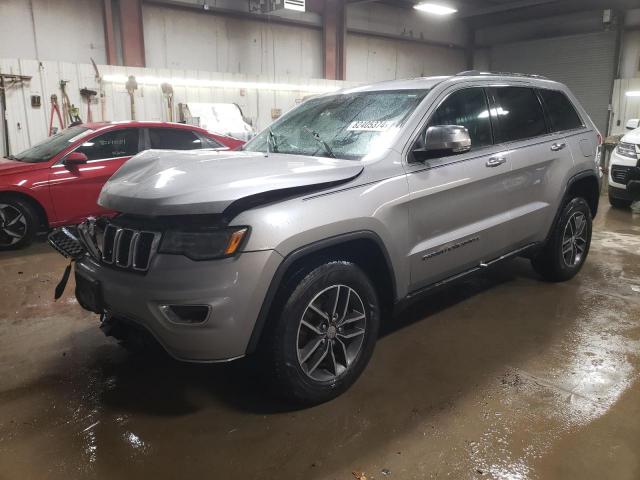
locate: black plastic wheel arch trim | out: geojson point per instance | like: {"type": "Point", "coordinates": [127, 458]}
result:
{"type": "Point", "coordinates": [300, 253]}
{"type": "Point", "coordinates": [572, 180]}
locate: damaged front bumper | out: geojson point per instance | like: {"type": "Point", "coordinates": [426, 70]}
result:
{"type": "Point", "coordinates": [231, 290]}
{"type": "Point", "coordinates": [199, 311]}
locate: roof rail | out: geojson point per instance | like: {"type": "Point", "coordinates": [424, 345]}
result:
{"type": "Point", "coordinates": [475, 73]}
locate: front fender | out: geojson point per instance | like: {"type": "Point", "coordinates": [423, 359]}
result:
{"type": "Point", "coordinates": [299, 254]}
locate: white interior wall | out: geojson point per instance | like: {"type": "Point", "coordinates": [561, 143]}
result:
{"type": "Point", "coordinates": [176, 38]}
{"type": "Point", "coordinates": [373, 59]}
{"type": "Point", "coordinates": [482, 59]}
{"type": "Point", "coordinates": [28, 125]}
{"type": "Point", "coordinates": [405, 53]}
{"type": "Point", "coordinates": [561, 25]}
{"type": "Point", "coordinates": [179, 38]}
{"type": "Point", "coordinates": [630, 55]}
{"type": "Point", "coordinates": [65, 30]}
{"type": "Point", "coordinates": [624, 108]}
{"type": "Point", "coordinates": [248, 6]}
{"type": "Point", "coordinates": [405, 22]}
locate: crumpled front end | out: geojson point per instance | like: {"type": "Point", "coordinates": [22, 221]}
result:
{"type": "Point", "coordinates": [199, 311]}
{"type": "Point", "coordinates": [169, 183]}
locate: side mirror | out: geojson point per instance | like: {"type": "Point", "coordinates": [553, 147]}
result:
{"type": "Point", "coordinates": [75, 158]}
{"type": "Point", "coordinates": [443, 140]}
{"type": "Point", "coordinates": [633, 123]}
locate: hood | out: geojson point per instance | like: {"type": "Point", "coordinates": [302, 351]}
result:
{"type": "Point", "coordinates": [9, 167]}
{"type": "Point", "coordinates": [632, 137]}
{"type": "Point", "coordinates": [159, 182]}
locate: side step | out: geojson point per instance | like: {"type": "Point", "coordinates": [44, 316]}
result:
{"type": "Point", "coordinates": [481, 266]}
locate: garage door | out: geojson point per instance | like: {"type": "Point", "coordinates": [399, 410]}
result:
{"type": "Point", "coordinates": [585, 63]}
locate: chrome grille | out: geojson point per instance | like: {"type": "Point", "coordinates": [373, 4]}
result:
{"type": "Point", "coordinates": [126, 247]}
{"type": "Point", "coordinates": [620, 174]}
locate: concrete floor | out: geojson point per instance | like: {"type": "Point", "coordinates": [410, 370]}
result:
{"type": "Point", "coordinates": [502, 376]}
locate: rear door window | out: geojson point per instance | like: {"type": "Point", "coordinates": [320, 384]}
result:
{"type": "Point", "coordinates": [174, 139]}
{"type": "Point", "coordinates": [560, 111]}
{"type": "Point", "coordinates": [114, 144]}
{"type": "Point", "coordinates": [519, 113]}
{"type": "Point", "coordinates": [208, 142]}
{"type": "Point", "coordinates": [469, 109]}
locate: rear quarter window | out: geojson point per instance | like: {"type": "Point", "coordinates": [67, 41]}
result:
{"type": "Point", "coordinates": [208, 142]}
{"type": "Point", "coordinates": [561, 112]}
{"type": "Point", "coordinates": [174, 139]}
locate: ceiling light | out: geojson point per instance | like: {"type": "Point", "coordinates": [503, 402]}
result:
{"type": "Point", "coordinates": [435, 8]}
{"type": "Point", "coordinates": [633, 93]}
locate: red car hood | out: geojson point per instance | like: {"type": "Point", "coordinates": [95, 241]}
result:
{"type": "Point", "coordinates": [9, 167]}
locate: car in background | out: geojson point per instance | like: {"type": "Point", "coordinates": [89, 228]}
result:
{"type": "Point", "coordinates": [57, 181]}
{"type": "Point", "coordinates": [624, 168]}
{"type": "Point", "coordinates": [219, 117]}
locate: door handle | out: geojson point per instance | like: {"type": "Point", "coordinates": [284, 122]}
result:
{"type": "Point", "coordinates": [495, 161]}
{"type": "Point", "coordinates": [558, 146]}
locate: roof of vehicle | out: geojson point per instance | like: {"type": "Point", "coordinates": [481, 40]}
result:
{"type": "Point", "coordinates": [632, 136]}
{"type": "Point", "coordinates": [430, 82]}
{"type": "Point", "coordinates": [136, 123]}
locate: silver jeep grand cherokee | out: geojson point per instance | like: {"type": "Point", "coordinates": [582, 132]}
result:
{"type": "Point", "coordinates": [350, 204]}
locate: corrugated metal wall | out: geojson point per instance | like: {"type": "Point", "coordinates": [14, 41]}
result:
{"type": "Point", "coordinates": [585, 63]}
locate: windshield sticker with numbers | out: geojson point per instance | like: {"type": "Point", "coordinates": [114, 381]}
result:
{"type": "Point", "coordinates": [370, 125]}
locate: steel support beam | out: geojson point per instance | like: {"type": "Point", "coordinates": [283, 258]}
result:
{"type": "Point", "coordinates": [109, 35]}
{"type": "Point", "coordinates": [505, 7]}
{"type": "Point", "coordinates": [131, 33]}
{"type": "Point", "coordinates": [334, 39]}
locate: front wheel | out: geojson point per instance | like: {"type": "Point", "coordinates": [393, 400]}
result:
{"type": "Point", "coordinates": [566, 251]}
{"type": "Point", "coordinates": [325, 333]}
{"type": "Point", "coordinates": [18, 223]}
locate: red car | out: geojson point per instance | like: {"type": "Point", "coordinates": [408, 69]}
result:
{"type": "Point", "coordinates": [57, 181]}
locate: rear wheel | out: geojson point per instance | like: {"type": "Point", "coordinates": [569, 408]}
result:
{"type": "Point", "coordinates": [18, 223]}
{"type": "Point", "coordinates": [566, 251]}
{"type": "Point", "coordinates": [325, 333]}
{"type": "Point", "coordinates": [619, 202]}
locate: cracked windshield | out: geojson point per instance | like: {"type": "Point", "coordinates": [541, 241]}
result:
{"type": "Point", "coordinates": [348, 126]}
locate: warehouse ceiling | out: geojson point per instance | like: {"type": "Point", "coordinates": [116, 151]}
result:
{"type": "Point", "coordinates": [482, 13]}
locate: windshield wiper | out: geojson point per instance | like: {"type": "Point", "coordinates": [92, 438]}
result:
{"type": "Point", "coordinates": [316, 136]}
{"type": "Point", "coordinates": [272, 142]}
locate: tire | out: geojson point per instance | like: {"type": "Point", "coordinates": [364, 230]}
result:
{"type": "Point", "coordinates": [555, 264]}
{"type": "Point", "coordinates": [619, 202]}
{"type": "Point", "coordinates": [19, 223]}
{"type": "Point", "coordinates": [315, 360]}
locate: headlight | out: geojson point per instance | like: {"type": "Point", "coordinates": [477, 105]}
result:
{"type": "Point", "coordinates": [205, 244]}
{"type": "Point", "coordinates": [626, 150]}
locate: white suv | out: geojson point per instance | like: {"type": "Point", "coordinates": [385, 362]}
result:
{"type": "Point", "coordinates": [624, 168]}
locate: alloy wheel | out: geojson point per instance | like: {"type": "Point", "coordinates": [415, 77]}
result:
{"type": "Point", "coordinates": [13, 225]}
{"type": "Point", "coordinates": [574, 239]}
{"type": "Point", "coordinates": [331, 333]}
